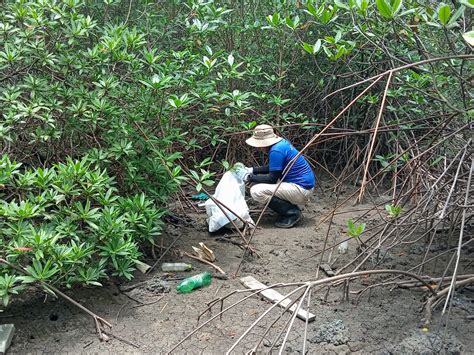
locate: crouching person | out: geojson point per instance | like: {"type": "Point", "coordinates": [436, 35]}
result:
{"type": "Point", "coordinates": [296, 187]}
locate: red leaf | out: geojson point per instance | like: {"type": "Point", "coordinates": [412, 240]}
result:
{"type": "Point", "coordinates": [23, 249]}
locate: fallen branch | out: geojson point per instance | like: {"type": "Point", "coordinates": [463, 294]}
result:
{"type": "Point", "coordinates": [128, 342]}
{"type": "Point", "coordinates": [148, 303]}
{"type": "Point", "coordinates": [205, 262]}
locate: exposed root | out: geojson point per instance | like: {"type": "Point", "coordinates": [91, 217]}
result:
{"type": "Point", "coordinates": [433, 300]}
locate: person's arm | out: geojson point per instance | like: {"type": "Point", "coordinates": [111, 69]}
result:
{"type": "Point", "coordinates": [270, 178]}
{"type": "Point", "coordinates": [260, 170]}
{"type": "Point", "coordinates": [271, 172]}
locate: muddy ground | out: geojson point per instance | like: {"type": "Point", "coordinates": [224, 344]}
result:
{"type": "Point", "coordinates": [153, 317]}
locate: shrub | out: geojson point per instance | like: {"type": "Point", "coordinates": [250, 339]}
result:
{"type": "Point", "coordinates": [67, 225]}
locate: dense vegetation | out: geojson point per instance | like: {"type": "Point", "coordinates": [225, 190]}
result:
{"type": "Point", "coordinates": [109, 108]}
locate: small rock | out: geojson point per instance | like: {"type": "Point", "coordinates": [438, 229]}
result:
{"type": "Point", "coordinates": [343, 247]}
{"type": "Point", "coordinates": [158, 286]}
{"type": "Point", "coordinates": [334, 333]}
{"type": "Point", "coordinates": [327, 269]}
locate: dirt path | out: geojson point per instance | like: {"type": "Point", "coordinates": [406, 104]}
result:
{"type": "Point", "coordinates": [387, 323]}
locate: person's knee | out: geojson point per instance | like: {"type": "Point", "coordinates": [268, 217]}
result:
{"type": "Point", "coordinates": [258, 194]}
{"type": "Point", "coordinates": [253, 191]}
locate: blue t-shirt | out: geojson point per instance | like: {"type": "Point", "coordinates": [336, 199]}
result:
{"type": "Point", "coordinates": [300, 173]}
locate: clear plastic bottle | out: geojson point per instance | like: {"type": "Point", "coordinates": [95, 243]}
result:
{"type": "Point", "coordinates": [193, 282]}
{"type": "Point", "coordinates": [176, 267]}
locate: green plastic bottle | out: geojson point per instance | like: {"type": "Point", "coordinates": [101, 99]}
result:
{"type": "Point", "coordinates": [193, 282]}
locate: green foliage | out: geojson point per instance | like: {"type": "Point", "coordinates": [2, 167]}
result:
{"type": "Point", "coordinates": [78, 82]}
{"type": "Point", "coordinates": [202, 179]}
{"type": "Point", "coordinates": [444, 13]}
{"type": "Point", "coordinates": [226, 165]}
{"type": "Point", "coordinates": [138, 95]}
{"type": "Point", "coordinates": [9, 285]}
{"type": "Point", "coordinates": [355, 229]}
{"type": "Point", "coordinates": [312, 49]}
{"type": "Point", "coordinates": [468, 3]}
{"type": "Point", "coordinates": [393, 210]}
{"type": "Point", "coordinates": [469, 37]}
{"type": "Point", "coordinates": [68, 226]}
{"type": "Point", "coordinates": [387, 164]}
{"type": "Point", "coordinates": [388, 8]}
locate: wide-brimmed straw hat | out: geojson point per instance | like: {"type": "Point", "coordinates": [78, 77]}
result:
{"type": "Point", "coordinates": [263, 136]}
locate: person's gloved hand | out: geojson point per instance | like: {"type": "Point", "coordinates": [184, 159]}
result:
{"type": "Point", "coordinates": [242, 171]}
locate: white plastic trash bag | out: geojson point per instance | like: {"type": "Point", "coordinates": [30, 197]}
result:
{"type": "Point", "coordinates": [231, 192]}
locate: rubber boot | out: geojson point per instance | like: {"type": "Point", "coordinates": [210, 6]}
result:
{"type": "Point", "coordinates": [289, 214]}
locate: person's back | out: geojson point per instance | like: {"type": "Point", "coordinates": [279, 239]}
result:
{"type": "Point", "coordinates": [281, 155]}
